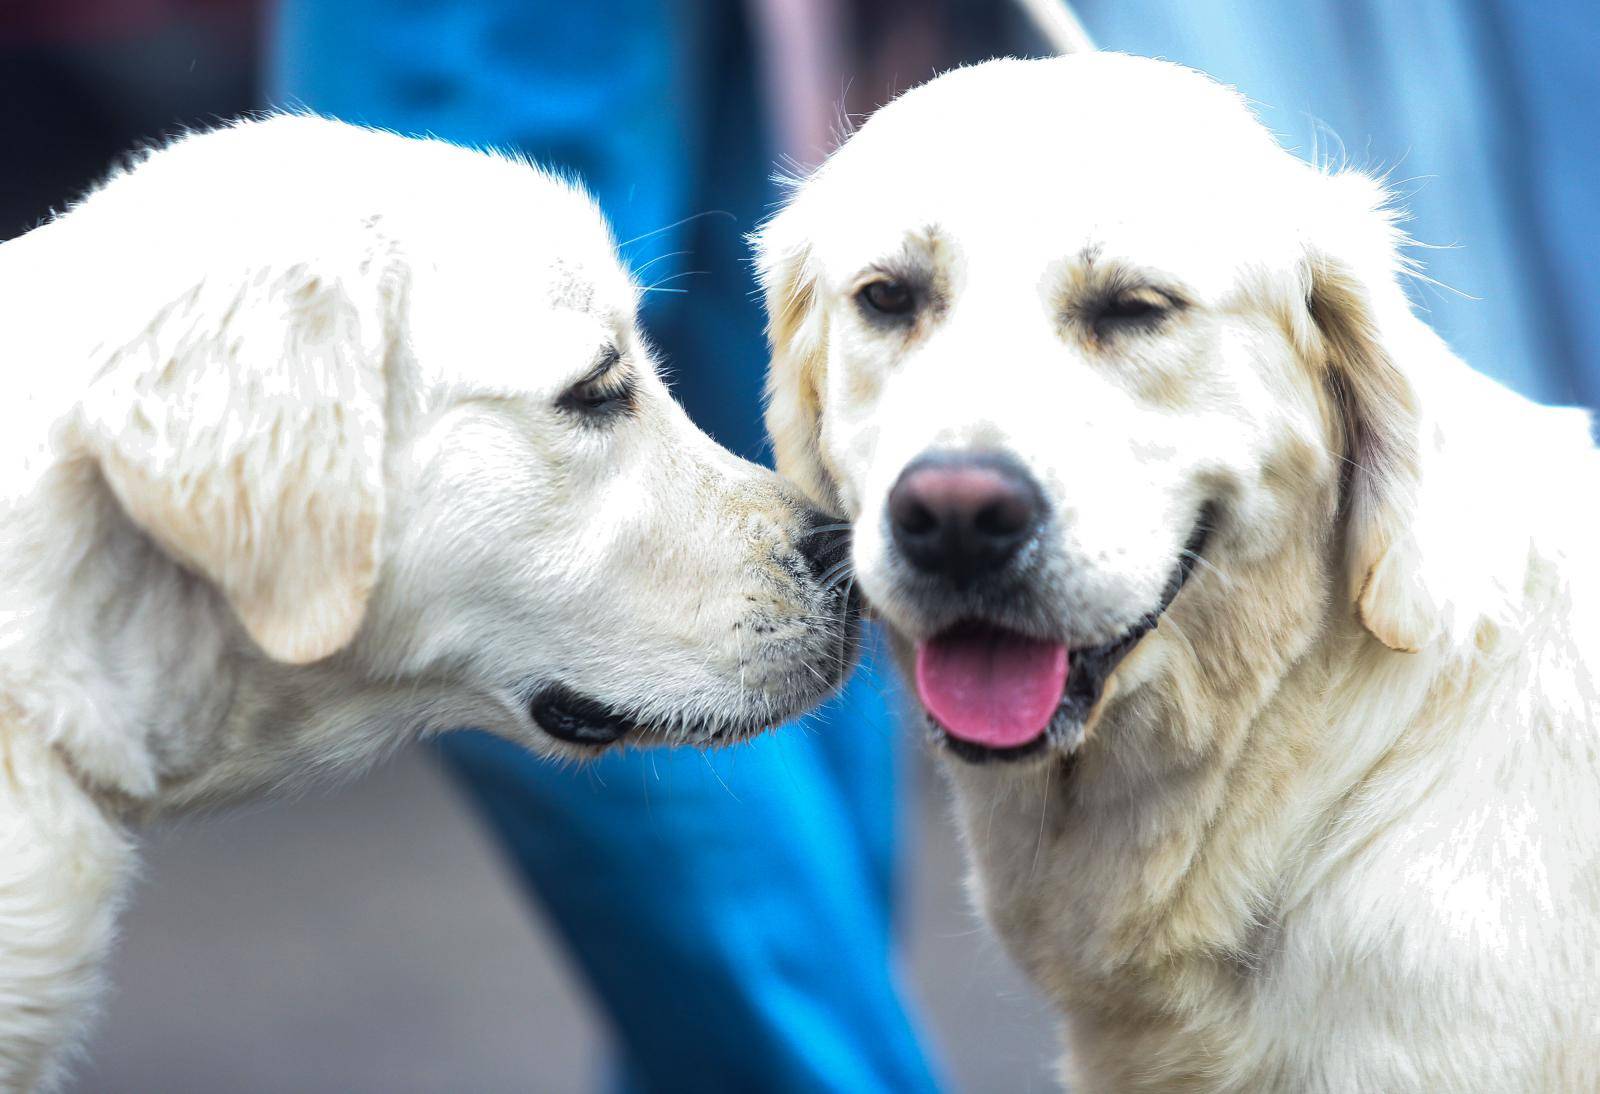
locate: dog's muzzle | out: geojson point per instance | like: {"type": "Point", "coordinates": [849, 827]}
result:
{"type": "Point", "coordinates": [994, 694]}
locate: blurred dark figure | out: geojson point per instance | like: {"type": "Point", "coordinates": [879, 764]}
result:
{"type": "Point", "coordinates": [82, 82]}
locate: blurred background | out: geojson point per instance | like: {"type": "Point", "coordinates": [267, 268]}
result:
{"type": "Point", "coordinates": [403, 933]}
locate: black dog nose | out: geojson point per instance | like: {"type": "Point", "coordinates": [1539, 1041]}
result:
{"type": "Point", "coordinates": [825, 545]}
{"type": "Point", "coordinates": [962, 515]}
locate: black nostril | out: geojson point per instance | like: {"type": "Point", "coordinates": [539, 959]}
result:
{"type": "Point", "coordinates": [914, 518]}
{"type": "Point", "coordinates": [1008, 516]}
{"type": "Point", "coordinates": [963, 514]}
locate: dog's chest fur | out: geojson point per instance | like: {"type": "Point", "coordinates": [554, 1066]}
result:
{"type": "Point", "coordinates": [1331, 875]}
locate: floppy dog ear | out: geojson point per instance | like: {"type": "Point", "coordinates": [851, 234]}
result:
{"type": "Point", "coordinates": [1378, 357]}
{"type": "Point", "coordinates": [797, 334]}
{"type": "Point", "coordinates": [1437, 529]}
{"type": "Point", "coordinates": [243, 430]}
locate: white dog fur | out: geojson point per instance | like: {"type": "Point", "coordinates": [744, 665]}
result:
{"type": "Point", "coordinates": [1335, 825]}
{"type": "Point", "coordinates": [317, 439]}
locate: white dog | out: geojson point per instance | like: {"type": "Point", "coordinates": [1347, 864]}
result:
{"type": "Point", "coordinates": [1283, 617]}
{"type": "Point", "coordinates": [316, 439]}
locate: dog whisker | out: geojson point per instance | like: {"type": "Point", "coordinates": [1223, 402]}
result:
{"type": "Point", "coordinates": [839, 569]}
{"type": "Point", "coordinates": [656, 287]}
{"type": "Point", "coordinates": [1044, 809]}
{"type": "Point", "coordinates": [659, 258]}
{"type": "Point", "coordinates": [1168, 621]}
{"type": "Point", "coordinates": [711, 767]}
{"type": "Point", "coordinates": [678, 224]}
{"type": "Point", "coordinates": [1201, 560]}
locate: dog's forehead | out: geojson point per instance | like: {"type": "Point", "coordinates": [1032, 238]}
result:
{"type": "Point", "coordinates": [571, 286]}
{"type": "Point", "coordinates": [588, 282]}
{"type": "Point", "coordinates": [1083, 109]}
{"type": "Point", "coordinates": [543, 247]}
{"type": "Point", "coordinates": [522, 310]}
{"type": "Point", "coordinates": [1027, 162]}
{"type": "Point", "coordinates": [542, 264]}
{"type": "Point", "coordinates": [518, 236]}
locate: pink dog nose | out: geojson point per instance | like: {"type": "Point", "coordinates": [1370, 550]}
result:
{"type": "Point", "coordinates": [963, 515]}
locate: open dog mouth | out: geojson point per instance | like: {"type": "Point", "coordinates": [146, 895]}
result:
{"type": "Point", "coordinates": [995, 694]}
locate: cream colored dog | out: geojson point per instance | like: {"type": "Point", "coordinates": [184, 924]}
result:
{"type": "Point", "coordinates": [316, 439]}
{"type": "Point", "coordinates": [1283, 616]}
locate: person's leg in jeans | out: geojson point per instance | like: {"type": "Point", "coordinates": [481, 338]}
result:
{"type": "Point", "coordinates": [732, 911]}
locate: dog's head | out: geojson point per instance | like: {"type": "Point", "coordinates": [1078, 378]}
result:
{"type": "Point", "coordinates": [1111, 387]}
{"type": "Point", "coordinates": [395, 409]}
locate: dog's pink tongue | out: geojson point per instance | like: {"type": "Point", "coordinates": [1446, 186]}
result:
{"type": "Point", "coordinates": [991, 687]}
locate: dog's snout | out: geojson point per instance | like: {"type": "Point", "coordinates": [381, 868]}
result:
{"type": "Point", "coordinates": [961, 515]}
{"type": "Point", "coordinates": [825, 545]}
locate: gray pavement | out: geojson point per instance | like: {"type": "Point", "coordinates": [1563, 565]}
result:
{"type": "Point", "coordinates": [368, 940]}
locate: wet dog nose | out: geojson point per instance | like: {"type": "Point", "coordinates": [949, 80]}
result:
{"type": "Point", "coordinates": [962, 515]}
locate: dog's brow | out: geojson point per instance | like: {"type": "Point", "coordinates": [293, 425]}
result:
{"type": "Point", "coordinates": [1102, 275]}
{"type": "Point", "coordinates": [915, 261]}
{"type": "Point", "coordinates": [897, 268]}
{"type": "Point", "coordinates": [605, 360]}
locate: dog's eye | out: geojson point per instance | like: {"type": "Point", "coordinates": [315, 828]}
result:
{"type": "Point", "coordinates": [887, 297]}
{"type": "Point", "coordinates": [600, 397]}
{"type": "Point", "coordinates": [1136, 308]}
{"type": "Point", "coordinates": [607, 391]}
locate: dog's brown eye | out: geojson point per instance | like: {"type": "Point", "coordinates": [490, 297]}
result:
{"type": "Point", "coordinates": [887, 297]}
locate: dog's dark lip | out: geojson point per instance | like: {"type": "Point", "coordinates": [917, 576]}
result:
{"type": "Point", "coordinates": [1090, 666]}
{"type": "Point", "coordinates": [980, 754]}
{"type": "Point", "coordinates": [583, 720]}
{"type": "Point", "coordinates": [579, 719]}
